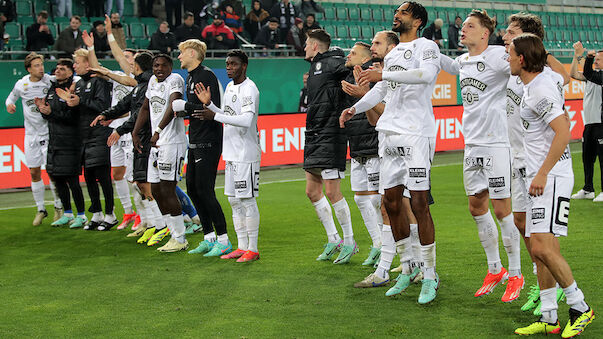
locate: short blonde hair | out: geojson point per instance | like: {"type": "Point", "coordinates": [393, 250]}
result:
{"type": "Point", "coordinates": [81, 53]}
{"type": "Point", "coordinates": [195, 44]}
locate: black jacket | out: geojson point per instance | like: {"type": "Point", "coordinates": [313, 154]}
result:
{"type": "Point", "coordinates": [362, 136]}
{"type": "Point", "coordinates": [36, 40]}
{"type": "Point", "coordinates": [132, 103]}
{"type": "Point", "coordinates": [267, 37]}
{"type": "Point", "coordinates": [203, 131]}
{"type": "Point", "coordinates": [184, 32]}
{"type": "Point", "coordinates": [94, 98]}
{"type": "Point", "coordinates": [161, 41]}
{"type": "Point", "coordinates": [65, 143]}
{"type": "Point", "coordinates": [593, 76]}
{"type": "Point", "coordinates": [453, 36]}
{"type": "Point", "coordinates": [325, 142]}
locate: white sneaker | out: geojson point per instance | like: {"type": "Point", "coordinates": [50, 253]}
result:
{"type": "Point", "coordinates": [599, 198]}
{"type": "Point", "coordinates": [396, 269]}
{"type": "Point", "coordinates": [372, 280]}
{"type": "Point", "coordinates": [173, 245]}
{"type": "Point", "coordinates": [582, 194]}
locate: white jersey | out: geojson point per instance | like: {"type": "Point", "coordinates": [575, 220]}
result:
{"type": "Point", "coordinates": [158, 94]}
{"type": "Point", "coordinates": [118, 92]}
{"type": "Point", "coordinates": [408, 109]}
{"type": "Point", "coordinates": [241, 144]}
{"type": "Point", "coordinates": [543, 102]}
{"type": "Point", "coordinates": [483, 80]}
{"type": "Point", "coordinates": [514, 95]}
{"type": "Point", "coordinates": [27, 91]}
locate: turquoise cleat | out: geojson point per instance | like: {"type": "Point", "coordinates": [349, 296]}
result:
{"type": "Point", "coordinates": [204, 247]}
{"type": "Point", "coordinates": [373, 257]}
{"type": "Point", "coordinates": [330, 249]}
{"type": "Point", "coordinates": [346, 254]}
{"type": "Point", "coordinates": [429, 290]}
{"type": "Point", "coordinates": [219, 250]}
{"type": "Point", "coordinates": [62, 221]}
{"type": "Point", "coordinates": [402, 283]}
{"type": "Point", "coordinates": [78, 222]}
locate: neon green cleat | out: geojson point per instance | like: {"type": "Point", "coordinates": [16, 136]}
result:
{"type": "Point", "coordinates": [533, 299]}
{"type": "Point", "coordinates": [219, 250]}
{"type": "Point", "coordinates": [429, 290]}
{"type": "Point", "coordinates": [373, 257]}
{"type": "Point", "coordinates": [346, 254]}
{"type": "Point", "coordinates": [539, 327]}
{"type": "Point", "coordinates": [158, 236]}
{"type": "Point", "coordinates": [146, 235]}
{"type": "Point", "coordinates": [63, 220]}
{"type": "Point", "coordinates": [204, 247]}
{"type": "Point", "coordinates": [577, 322]}
{"type": "Point", "coordinates": [78, 222]}
{"type": "Point", "coordinates": [330, 249]}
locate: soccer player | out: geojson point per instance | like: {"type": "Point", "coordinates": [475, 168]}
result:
{"type": "Point", "coordinates": [35, 85]}
{"type": "Point", "coordinates": [551, 179]}
{"type": "Point", "coordinates": [407, 139]}
{"type": "Point", "coordinates": [64, 146]}
{"type": "Point", "coordinates": [325, 147]}
{"type": "Point", "coordinates": [242, 152]}
{"type": "Point", "coordinates": [523, 23]}
{"type": "Point", "coordinates": [484, 74]}
{"type": "Point", "coordinates": [364, 147]}
{"type": "Point", "coordinates": [169, 145]}
{"type": "Point", "coordinates": [122, 83]}
{"type": "Point", "coordinates": [205, 147]}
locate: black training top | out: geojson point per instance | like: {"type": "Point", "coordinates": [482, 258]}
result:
{"type": "Point", "coordinates": [203, 131]}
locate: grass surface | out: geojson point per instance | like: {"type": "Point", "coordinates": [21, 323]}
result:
{"type": "Point", "coordinates": [73, 283]}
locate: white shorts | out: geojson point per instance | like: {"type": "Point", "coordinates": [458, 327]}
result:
{"type": "Point", "coordinates": [120, 150]}
{"type": "Point", "coordinates": [327, 174]}
{"type": "Point", "coordinates": [364, 174]}
{"type": "Point", "coordinates": [487, 168]}
{"type": "Point", "coordinates": [406, 160]}
{"type": "Point", "coordinates": [36, 150]}
{"type": "Point", "coordinates": [242, 179]}
{"type": "Point", "coordinates": [129, 166]}
{"type": "Point", "coordinates": [549, 212]}
{"type": "Point", "coordinates": [519, 190]}
{"type": "Point", "coordinates": [165, 163]}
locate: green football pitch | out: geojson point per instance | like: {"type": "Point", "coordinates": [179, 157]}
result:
{"type": "Point", "coordinates": [62, 283]}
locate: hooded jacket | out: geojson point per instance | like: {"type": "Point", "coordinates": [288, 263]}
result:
{"type": "Point", "coordinates": [326, 143]}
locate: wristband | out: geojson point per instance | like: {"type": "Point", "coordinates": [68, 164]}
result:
{"type": "Point", "coordinates": [158, 130]}
{"type": "Point", "coordinates": [579, 57]}
{"type": "Point", "coordinates": [110, 37]}
{"type": "Point", "coordinates": [91, 48]}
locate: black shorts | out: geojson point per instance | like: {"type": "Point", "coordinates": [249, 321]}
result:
{"type": "Point", "coordinates": [140, 166]}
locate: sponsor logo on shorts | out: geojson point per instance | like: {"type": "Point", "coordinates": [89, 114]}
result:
{"type": "Point", "coordinates": [496, 182]}
{"type": "Point", "coordinates": [373, 177]}
{"type": "Point", "coordinates": [240, 185]}
{"type": "Point", "coordinates": [402, 151]}
{"type": "Point", "coordinates": [538, 213]}
{"type": "Point", "coordinates": [418, 172]}
{"type": "Point", "coordinates": [563, 205]}
{"type": "Point", "coordinates": [162, 166]}
{"type": "Point", "coordinates": [478, 162]}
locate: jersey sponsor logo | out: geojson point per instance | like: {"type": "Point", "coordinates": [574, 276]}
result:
{"type": "Point", "coordinates": [407, 54]}
{"type": "Point", "coordinates": [156, 99]}
{"type": "Point", "coordinates": [524, 123]}
{"type": "Point", "coordinates": [240, 185]}
{"type": "Point", "coordinates": [247, 101]}
{"type": "Point", "coordinates": [563, 206]}
{"type": "Point", "coordinates": [469, 97]}
{"type": "Point", "coordinates": [510, 108]}
{"type": "Point", "coordinates": [120, 92]}
{"type": "Point", "coordinates": [544, 106]}
{"type": "Point", "coordinates": [482, 162]}
{"type": "Point", "coordinates": [513, 96]}
{"type": "Point", "coordinates": [393, 85]}
{"type": "Point", "coordinates": [481, 66]}
{"type": "Point", "coordinates": [228, 110]}
{"type": "Point", "coordinates": [430, 54]}
{"type": "Point", "coordinates": [417, 172]}
{"type": "Point", "coordinates": [538, 213]}
{"type": "Point", "coordinates": [496, 182]}
{"type": "Point", "coordinates": [402, 151]}
{"type": "Point", "coordinates": [473, 83]}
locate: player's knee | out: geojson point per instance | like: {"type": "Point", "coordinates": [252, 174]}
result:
{"type": "Point", "coordinates": [333, 195]}
{"type": "Point", "coordinates": [234, 202]}
{"type": "Point", "coordinates": [419, 206]}
{"type": "Point", "coordinates": [36, 174]}
{"type": "Point", "coordinates": [313, 194]}
{"type": "Point", "coordinates": [501, 213]}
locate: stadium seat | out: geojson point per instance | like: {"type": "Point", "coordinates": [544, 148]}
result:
{"type": "Point", "coordinates": [330, 29]}
{"type": "Point", "coordinates": [25, 21]}
{"type": "Point", "coordinates": [148, 21]}
{"type": "Point", "coordinates": [14, 30]}
{"type": "Point", "coordinates": [96, 18]}
{"type": "Point", "coordinates": [137, 30]}
{"type": "Point", "coordinates": [367, 31]}
{"type": "Point", "coordinates": [354, 13]}
{"type": "Point", "coordinates": [61, 19]}
{"type": "Point", "coordinates": [342, 14]}
{"type": "Point", "coordinates": [86, 26]}
{"type": "Point", "coordinates": [128, 8]}
{"type": "Point", "coordinates": [53, 29]}
{"type": "Point", "coordinates": [24, 8]}
{"type": "Point", "coordinates": [377, 14]}
{"type": "Point", "coordinates": [342, 31]}
{"type": "Point", "coordinates": [355, 32]}
{"type": "Point", "coordinates": [152, 28]}
{"type": "Point", "coordinates": [329, 13]}
{"type": "Point", "coordinates": [366, 14]}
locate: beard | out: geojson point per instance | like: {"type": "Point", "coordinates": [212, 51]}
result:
{"type": "Point", "coordinates": [401, 28]}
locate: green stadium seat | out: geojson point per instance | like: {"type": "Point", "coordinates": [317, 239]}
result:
{"type": "Point", "coordinates": [53, 29]}
{"type": "Point", "coordinates": [342, 31]}
{"type": "Point", "coordinates": [354, 13]}
{"type": "Point", "coordinates": [129, 19]}
{"type": "Point", "coordinates": [331, 29]}
{"type": "Point", "coordinates": [545, 19]}
{"type": "Point", "coordinates": [86, 26]}
{"type": "Point", "coordinates": [152, 28]}
{"type": "Point", "coordinates": [583, 36]}
{"type": "Point", "coordinates": [367, 31]}
{"type": "Point", "coordinates": [137, 30]}
{"type": "Point", "coordinates": [24, 8]}
{"type": "Point", "coordinates": [41, 5]}
{"type": "Point", "coordinates": [95, 18]}
{"type": "Point", "coordinates": [60, 19]}
{"type": "Point", "coordinates": [329, 13]}
{"type": "Point", "coordinates": [355, 32]}
{"type": "Point", "coordinates": [366, 13]}
{"type": "Point", "coordinates": [148, 21]}
{"type": "Point", "coordinates": [128, 9]}
{"type": "Point", "coordinates": [342, 14]}
{"type": "Point", "coordinates": [25, 21]}
{"type": "Point", "coordinates": [377, 14]}
{"type": "Point", "coordinates": [550, 35]}
{"type": "Point", "coordinates": [14, 30]}
{"type": "Point", "coordinates": [141, 43]}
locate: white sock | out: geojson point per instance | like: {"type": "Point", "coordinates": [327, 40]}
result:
{"type": "Point", "coordinates": [167, 221]}
{"type": "Point", "coordinates": [548, 305]}
{"type": "Point", "coordinates": [211, 237]}
{"type": "Point", "coordinates": [155, 216]}
{"type": "Point", "coordinates": [252, 222]}
{"type": "Point", "coordinates": [145, 212]}
{"type": "Point", "coordinates": [404, 250]}
{"type": "Point", "coordinates": [37, 189]}
{"type": "Point", "coordinates": [196, 220]}
{"type": "Point", "coordinates": [388, 251]}
{"type": "Point", "coordinates": [511, 241]}
{"type": "Point", "coordinates": [140, 209]}
{"type": "Point", "coordinates": [488, 235]}
{"type": "Point", "coordinates": [416, 246]}
{"type": "Point", "coordinates": [369, 215]}
{"type": "Point", "coordinates": [428, 254]}
{"type": "Point", "coordinates": [97, 217]}
{"type": "Point", "coordinates": [376, 201]}
{"type": "Point", "coordinates": [178, 228]}
{"type": "Point", "coordinates": [55, 195]}
{"type": "Point", "coordinates": [223, 239]}
{"type": "Point", "coordinates": [323, 210]}
{"type": "Point", "coordinates": [123, 193]}
{"type": "Point", "coordinates": [110, 218]}
{"type": "Point", "coordinates": [238, 220]}
{"type": "Point", "coordinates": [575, 297]}
{"type": "Point", "coordinates": [186, 218]}
{"type": "Point", "coordinates": [534, 269]}
{"type": "Point", "coordinates": [342, 212]}
{"type": "Point", "coordinates": [68, 214]}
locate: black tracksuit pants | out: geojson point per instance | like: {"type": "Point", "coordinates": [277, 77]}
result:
{"type": "Point", "coordinates": [63, 185]}
{"type": "Point", "coordinates": [99, 175]}
{"type": "Point", "coordinates": [592, 146]}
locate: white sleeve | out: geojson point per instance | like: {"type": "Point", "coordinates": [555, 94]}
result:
{"type": "Point", "coordinates": [423, 75]}
{"type": "Point", "coordinates": [177, 85]}
{"type": "Point", "coordinates": [243, 120]}
{"type": "Point", "coordinates": [249, 101]}
{"type": "Point", "coordinates": [372, 98]}
{"type": "Point", "coordinates": [14, 95]}
{"type": "Point", "coordinates": [450, 65]}
{"type": "Point", "coordinates": [544, 104]}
